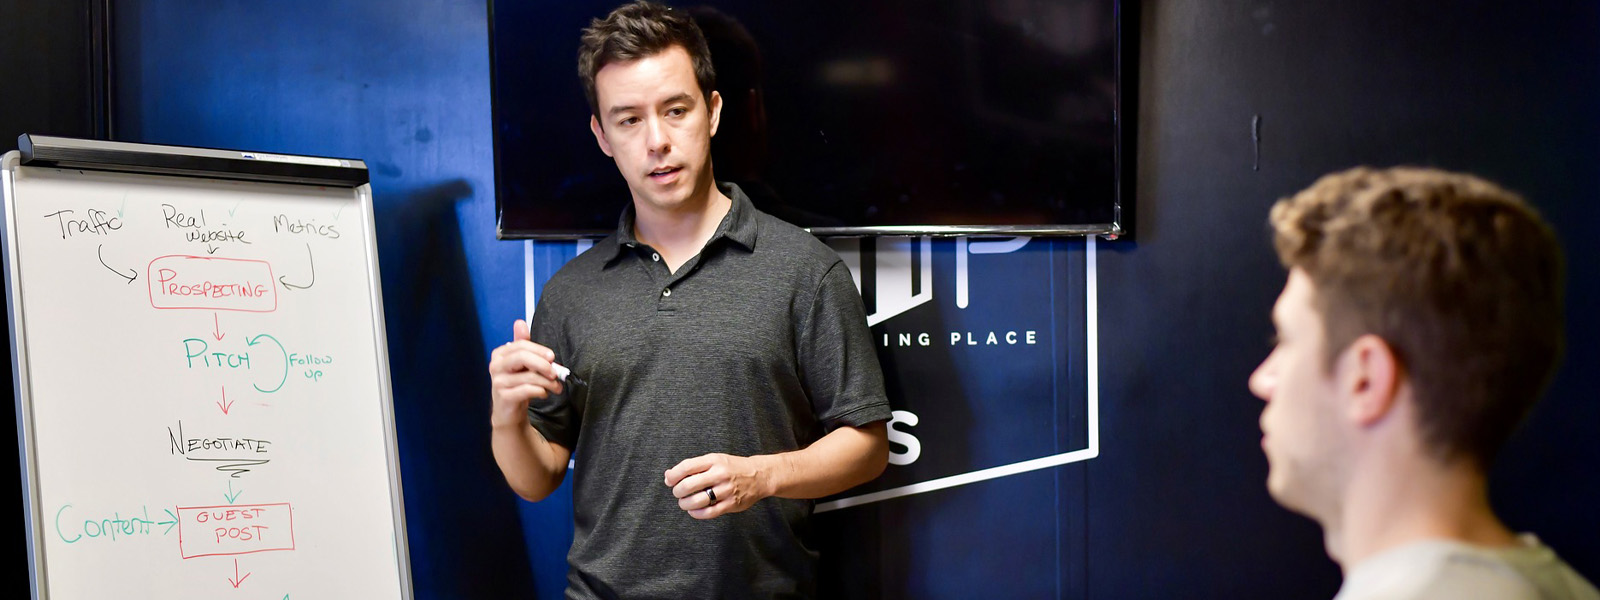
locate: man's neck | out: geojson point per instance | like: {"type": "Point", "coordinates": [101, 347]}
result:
{"type": "Point", "coordinates": [1398, 501]}
{"type": "Point", "coordinates": [680, 234]}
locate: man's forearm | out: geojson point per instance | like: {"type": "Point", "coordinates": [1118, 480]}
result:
{"type": "Point", "coordinates": [532, 465]}
{"type": "Point", "coordinates": [845, 458]}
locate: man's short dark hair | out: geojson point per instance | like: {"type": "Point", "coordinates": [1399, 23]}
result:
{"type": "Point", "coordinates": [638, 30]}
{"type": "Point", "coordinates": [1461, 278]}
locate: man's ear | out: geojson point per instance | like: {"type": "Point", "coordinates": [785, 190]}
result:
{"type": "Point", "coordinates": [716, 111]}
{"type": "Point", "coordinates": [1369, 375]}
{"type": "Point", "coordinates": [600, 136]}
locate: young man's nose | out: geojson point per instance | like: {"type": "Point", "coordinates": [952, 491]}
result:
{"type": "Point", "coordinates": [1263, 380]}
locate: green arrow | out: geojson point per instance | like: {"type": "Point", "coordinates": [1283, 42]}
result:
{"type": "Point", "coordinates": [169, 524]}
{"type": "Point", "coordinates": [232, 495]}
{"type": "Point", "coordinates": [253, 341]}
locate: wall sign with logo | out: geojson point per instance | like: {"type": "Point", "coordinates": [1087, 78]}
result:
{"type": "Point", "coordinates": [985, 349]}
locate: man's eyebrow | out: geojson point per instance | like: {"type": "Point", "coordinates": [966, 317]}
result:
{"type": "Point", "coordinates": [681, 97]}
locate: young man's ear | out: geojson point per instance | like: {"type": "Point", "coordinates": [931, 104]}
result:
{"type": "Point", "coordinates": [600, 136]}
{"type": "Point", "coordinates": [716, 111]}
{"type": "Point", "coordinates": [1369, 375]}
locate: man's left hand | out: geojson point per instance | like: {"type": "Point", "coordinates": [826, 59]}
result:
{"type": "Point", "coordinates": [735, 483]}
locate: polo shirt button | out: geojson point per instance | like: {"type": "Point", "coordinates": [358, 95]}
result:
{"type": "Point", "coordinates": [665, 292]}
{"type": "Point", "coordinates": [655, 256]}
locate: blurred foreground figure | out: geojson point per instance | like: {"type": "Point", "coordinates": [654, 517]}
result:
{"type": "Point", "coordinates": [1421, 320]}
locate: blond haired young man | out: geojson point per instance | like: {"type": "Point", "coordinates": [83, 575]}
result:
{"type": "Point", "coordinates": [1421, 320]}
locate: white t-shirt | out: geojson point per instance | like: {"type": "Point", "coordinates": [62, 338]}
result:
{"type": "Point", "coordinates": [1448, 570]}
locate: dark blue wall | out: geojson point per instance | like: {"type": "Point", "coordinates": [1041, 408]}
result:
{"type": "Point", "coordinates": [1174, 506]}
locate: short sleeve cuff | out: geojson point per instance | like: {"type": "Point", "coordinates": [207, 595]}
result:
{"type": "Point", "coordinates": [859, 416]}
{"type": "Point", "coordinates": [551, 427]}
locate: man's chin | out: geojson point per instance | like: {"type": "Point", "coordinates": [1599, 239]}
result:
{"type": "Point", "coordinates": [649, 204]}
{"type": "Point", "coordinates": [664, 200]}
{"type": "Point", "coordinates": [1280, 491]}
{"type": "Point", "coordinates": [1292, 499]}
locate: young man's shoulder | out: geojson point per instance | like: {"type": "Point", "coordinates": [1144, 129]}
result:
{"type": "Point", "coordinates": [799, 246]}
{"type": "Point", "coordinates": [1439, 569]}
{"type": "Point", "coordinates": [583, 270]}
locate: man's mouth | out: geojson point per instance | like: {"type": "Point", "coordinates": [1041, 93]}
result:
{"type": "Point", "coordinates": [664, 172]}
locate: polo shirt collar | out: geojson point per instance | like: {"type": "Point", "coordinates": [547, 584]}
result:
{"type": "Point", "coordinates": [739, 225]}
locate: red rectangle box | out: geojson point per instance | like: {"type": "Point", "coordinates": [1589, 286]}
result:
{"type": "Point", "coordinates": [210, 283]}
{"type": "Point", "coordinates": [235, 529]}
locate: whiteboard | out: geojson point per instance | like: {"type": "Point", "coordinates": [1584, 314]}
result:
{"type": "Point", "coordinates": [203, 390]}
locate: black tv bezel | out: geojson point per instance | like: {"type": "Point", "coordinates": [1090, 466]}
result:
{"type": "Point", "coordinates": [1126, 64]}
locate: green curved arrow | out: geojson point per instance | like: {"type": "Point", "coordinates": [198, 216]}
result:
{"type": "Point", "coordinates": [253, 341]}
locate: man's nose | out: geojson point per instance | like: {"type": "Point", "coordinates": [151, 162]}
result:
{"type": "Point", "coordinates": [1263, 380]}
{"type": "Point", "coordinates": [656, 137]}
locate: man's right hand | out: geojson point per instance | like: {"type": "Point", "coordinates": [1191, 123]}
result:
{"type": "Point", "coordinates": [519, 372]}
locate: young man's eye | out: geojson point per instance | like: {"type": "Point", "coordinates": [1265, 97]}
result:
{"type": "Point", "coordinates": [628, 121]}
{"type": "Point", "coordinates": [677, 112]}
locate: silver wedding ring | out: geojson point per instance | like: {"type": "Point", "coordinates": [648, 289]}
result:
{"type": "Point", "coordinates": [712, 496]}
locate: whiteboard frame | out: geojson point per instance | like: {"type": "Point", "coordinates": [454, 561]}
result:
{"type": "Point", "coordinates": [22, 385]}
{"type": "Point", "coordinates": [19, 377]}
{"type": "Point", "coordinates": [380, 340]}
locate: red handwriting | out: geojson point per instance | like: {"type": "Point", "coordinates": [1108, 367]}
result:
{"type": "Point", "coordinates": [210, 283]}
{"type": "Point", "coordinates": [236, 580]}
{"type": "Point", "coordinates": [236, 529]}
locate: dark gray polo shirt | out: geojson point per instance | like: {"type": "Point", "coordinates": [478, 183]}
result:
{"type": "Point", "coordinates": [757, 345]}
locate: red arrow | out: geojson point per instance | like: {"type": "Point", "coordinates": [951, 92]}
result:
{"type": "Point", "coordinates": [236, 579]}
{"type": "Point", "coordinates": [216, 331]}
{"type": "Point", "coordinates": [225, 407]}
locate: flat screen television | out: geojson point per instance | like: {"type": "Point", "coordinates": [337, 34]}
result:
{"type": "Point", "coordinates": [900, 117]}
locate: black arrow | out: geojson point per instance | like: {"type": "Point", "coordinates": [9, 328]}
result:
{"type": "Point", "coordinates": [313, 262]}
{"type": "Point", "coordinates": [101, 253]}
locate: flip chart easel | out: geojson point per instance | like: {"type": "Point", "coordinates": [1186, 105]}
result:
{"type": "Point", "coordinates": [202, 383]}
